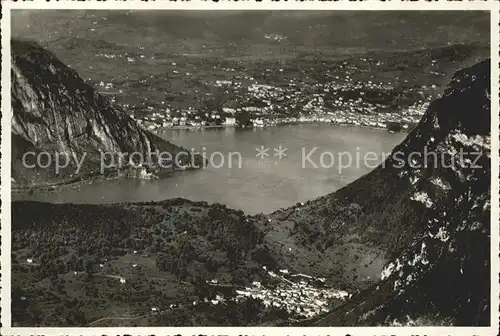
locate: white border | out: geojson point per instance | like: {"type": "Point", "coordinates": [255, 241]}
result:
{"type": "Point", "coordinates": [495, 111]}
{"type": "Point", "coordinates": [492, 6]}
{"type": "Point", "coordinates": [5, 171]}
{"type": "Point", "coordinates": [486, 5]}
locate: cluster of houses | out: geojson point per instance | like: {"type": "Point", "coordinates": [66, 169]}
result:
{"type": "Point", "coordinates": [340, 98]}
{"type": "Point", "coordinates": [301, 295]}
{"type": "Point", "coordinates": [274, 37]}
{"type": "Point", "coordinates": [188, 118]}
{"type": "Point", "coordinates": [295, 293]}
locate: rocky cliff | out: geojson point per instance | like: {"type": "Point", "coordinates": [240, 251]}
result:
{"type": "Point", "coordinates": [54, 111]}
{"type": "Point", "coordinates": [442, 276]}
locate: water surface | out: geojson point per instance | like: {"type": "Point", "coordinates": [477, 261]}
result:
{"type": "Point", "coordinates": [243, 180]}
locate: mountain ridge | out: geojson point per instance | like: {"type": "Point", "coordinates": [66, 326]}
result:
{"type": "Point", "coordinates": [453, 246]}
{"type": "Point", "coordinates": [372, 208]}
{"type": "Point", "coordinates": [54, 111]}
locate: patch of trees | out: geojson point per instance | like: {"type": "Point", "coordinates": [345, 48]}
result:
{"type": "Point", "coordinates": [176, 258]}
{"type": "Point", "coordinates": [250, 312]}
{"type": "Point", "coordinates": [394, 126]}
{"type": "Point", "coordinates": [243, 119]}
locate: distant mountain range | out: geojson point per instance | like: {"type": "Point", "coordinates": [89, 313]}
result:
{"type": "Point", "coordinates": [411, 243]}
{"type": "Point", "coordinates": [239, 32]}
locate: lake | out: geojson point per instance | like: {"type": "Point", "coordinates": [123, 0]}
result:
{"type": "Point", "coordinates": [314, 161]}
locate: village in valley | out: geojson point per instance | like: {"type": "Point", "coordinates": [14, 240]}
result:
{"type": "Point", "coordinates": [301, 295]}
{"type": "Point", "coordinates": [256, 94]}
{"type": "Point", "coordinates": [287, 105]}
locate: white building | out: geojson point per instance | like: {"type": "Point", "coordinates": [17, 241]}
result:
{"type": "Point", "coordinates": [230, 121]}
{"type": "Point", "coordinates": [258, 123]}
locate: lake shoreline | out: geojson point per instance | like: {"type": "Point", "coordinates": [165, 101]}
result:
{"type": "Point", "coordinates": [85, 180]}
{"type": "Point", "coordinates": [252, 183]}
{"type": "Point", "coordinates": [279, 124]}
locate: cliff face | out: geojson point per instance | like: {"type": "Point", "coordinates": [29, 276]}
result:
{"type": "Point", "coordinates": [55, 111]}
{"type": "Point", "coordinates": [442, 276]}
